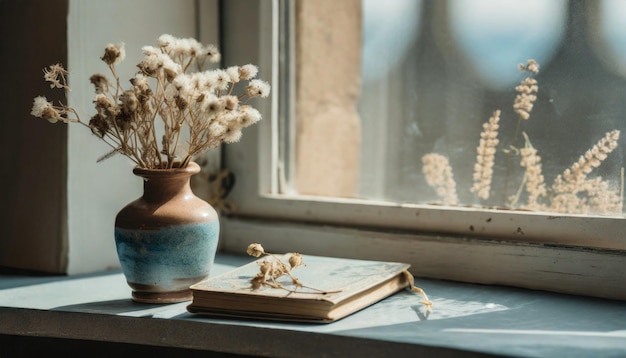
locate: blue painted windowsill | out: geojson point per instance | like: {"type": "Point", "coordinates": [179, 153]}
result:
{"type": "Point", "coordinates": [468, 320]}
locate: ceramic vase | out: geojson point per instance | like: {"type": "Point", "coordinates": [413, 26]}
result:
{"type": "Point", "coordinates": [167, 239]}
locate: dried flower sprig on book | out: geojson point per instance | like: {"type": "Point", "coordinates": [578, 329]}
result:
{"type": "Point", "coordinates": [571, 192]}
{"type": "Point", "coordinates": [271, 268]}
{"type": "Point", "coordinates": [170, 92]}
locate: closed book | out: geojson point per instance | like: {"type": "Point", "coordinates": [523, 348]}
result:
{"type": "Point", "coordinates": [332, 288]}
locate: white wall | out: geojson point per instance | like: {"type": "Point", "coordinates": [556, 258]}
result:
{"type": "Point", "coordinates": [97, 191]}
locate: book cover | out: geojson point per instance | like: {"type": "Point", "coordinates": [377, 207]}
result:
{"type": "Point", "coordinates": [332, 289]}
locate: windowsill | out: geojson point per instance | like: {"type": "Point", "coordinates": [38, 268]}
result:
{"type": "Point", "coordinates": [467, 318]}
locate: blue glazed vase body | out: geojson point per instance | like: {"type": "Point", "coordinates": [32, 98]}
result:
{"type": "Point", "coordinates": [167, 239]}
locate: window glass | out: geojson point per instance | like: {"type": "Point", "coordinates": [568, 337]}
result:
{"type": "Point", "coordinates": [491, 103]}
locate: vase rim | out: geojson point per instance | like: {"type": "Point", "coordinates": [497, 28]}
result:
{"type": "Point", "coordinates": [191, 169]}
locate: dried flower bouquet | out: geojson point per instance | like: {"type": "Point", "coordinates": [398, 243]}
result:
{"type": "Point", "coordinates": [171, 91]}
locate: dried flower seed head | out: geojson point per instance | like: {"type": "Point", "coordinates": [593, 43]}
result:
{"type": "Point", "coordinates": [233, 73]}
{"type": "Point", "coordinates": [535, 185]}
{"type": "Point", "coordinates": [170, 68]}
{"type": "Point", "coordinates": [258, 88]}
{"type": "Point", "coordinates": [199, 98]}
{"type": "Point", "coordinates": [166, 41]}
{"type": "Point", "coordinates": [588, 196]}
{"type": "Point", "coordinates": [230, 102]}
{"type": "Point", "coordinates": [530, 66]}
{"type": "Point", "coordinates": [206, 80]}
{"type": "Point", "coordinates": [216, 130]}
{"type": "Point", "coordinates": [592, 158]}
{"type": "Point", "coordinates": [295, 260]}
{"type": "Point", "coordinates": [255, 250]}
{"type": "Point", "coordinates": [183, 84]}
{"type": "Point", "coordinates": [211, 53]}
{"type": "Point", "coordinates": [114, 54]}
{"type": "Point", "coordinates": [266, 267]}
{"type": "Point", "coordinates": [526, 96]}
{"type": "Point", "coordinates": [150, 51]}
{"type": "Point", "coordinates": [212, 105]}
{"type": "Point", "coordinates": [249, 116]}
{"type": "Point", "coordinates": [129, 101]}
{"type": "Point", "coordinates": [195, 48]}
{"type": "Point", "coordinates": [104, 106]}
{"type": "Point", "coordinates": [232, 135]}
{"type": "Point", "coordinates": [124, 121]}
{"type": "Point", "coordinates": [40, 104]}
{"type": "Point", "coordinates": [222, 80]}
{"type": "Point", "coordinates": [181, 102]}
{"type": "Point", "coordinates": [44, 109]}
{"type": "Point", "coordinates": [53, 115]}
{"type": "Point", "coordinates": [438, 173]}
{"type": "Point", "coordinates": [152, 61]}
{"type": "Point", "coordinates": [486, 150]}
{"type": "Point", "coordinates": [185, 48]}
{"type": "Point", "coordinates": [257, 282]}
{"type": "Point", "coordinates": [140, 82]}
{"type": "Point", "coordinates": [55, 74]}
{"type": "Point", "coordinates": [574, 193]}
{"type": "Point", "coordinates": [180, 47]}
{"type": "Point", "coordinates": [248, 72]}
{"type": "Point", "coordinates": [99, 126]}
{"type": "Point", "coordinates": [100, 82]}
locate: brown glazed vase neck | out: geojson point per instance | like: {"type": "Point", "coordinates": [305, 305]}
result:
{"type": "Point", "coordinates": [167, 200]}
{"type": "Point", "coordinates": [160, 185]}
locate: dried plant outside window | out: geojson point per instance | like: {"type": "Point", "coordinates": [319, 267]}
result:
{"type": "Point", "coordinates": [170, 93]}
{"type": "Point", "coordinates": [483, 169]}
{"type": "Point", "coordinates": [571, 192]}
{"type": "Point", "coordinates": [439, 175]}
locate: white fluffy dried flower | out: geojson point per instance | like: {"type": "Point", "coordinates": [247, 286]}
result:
{"type": "Point", "coordinates": [249, 116]}
{"type": "Point", "coordinates": [258, 88]}
{"type": "Point", "coordinates": [248, 72]}
{"type": "Point", "coordinates": [44, 109]}
{"type": "Point", "coordinates": [183, 84]}
{"type": "Point", "coordinates": [211, 53]}
{"type": "Point", "coordinates": [114, 54]}
{"type": "Point", "coordinates": [233, 73]}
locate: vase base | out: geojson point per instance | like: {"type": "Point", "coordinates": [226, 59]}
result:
{"type": "Point", "coordinates": [162, 297]}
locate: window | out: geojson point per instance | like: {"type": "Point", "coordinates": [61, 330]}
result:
{"type": "Point", "coordinates": [554, 251]}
